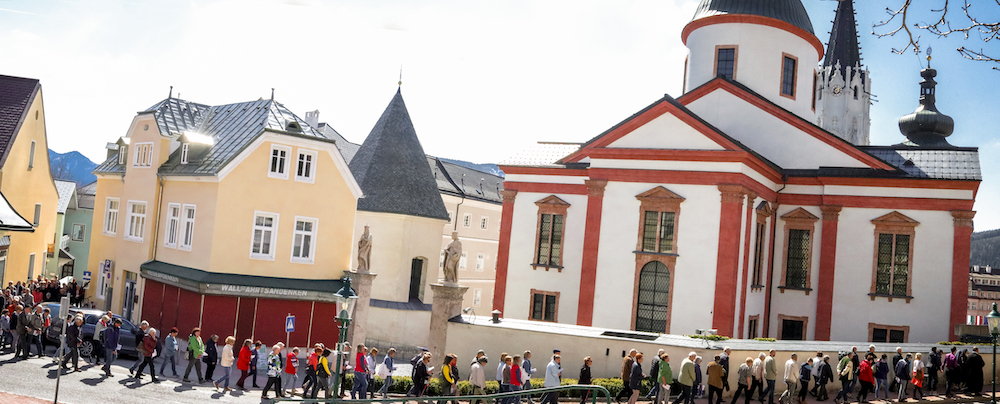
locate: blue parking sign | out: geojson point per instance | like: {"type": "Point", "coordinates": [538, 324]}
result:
{"type": "Point", "coordinates": [290, 323]}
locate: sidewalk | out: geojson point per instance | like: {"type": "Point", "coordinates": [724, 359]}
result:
{"type": "Point", "coordinates": [8, 398]}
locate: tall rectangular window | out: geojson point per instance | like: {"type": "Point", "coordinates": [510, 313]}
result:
{"type": "Point", "coordinates": [543, 306]}
{"type": "Point", "coordinates": [893, 268]}
{"type": "Point", "coordinates": [304, 240]}
{"type": "Point", "coordinates": [463, 260]}
{"type": "Point", "coordinates": [187, 227]}
{"type": "Point", "coordinates": [484, 223]}
{"type": "Point", "coordinates": [480, 262]}
{"type": "Point", "coordinates": [788, 76]}
{"type": "Point", "coordinates": [136, 221]}
{"type": "Point", "coordinates": [38, 214]}
{"type": "Point", "coordinates": [173, 224]}
{"type": "Point", "coordinates": [797, 263]}
{"type": "Point", "coordinates": [477, 297]}
{"type": "Point", "coordinates": [752, 327]}
{"type": "Point", "coordinates": [111, 217]}
{"type": "Point", "coordinates": [31, 156]}
{"type": "Point", "coordinates": [122, 154]}
{"type": "Point", "coordinates": [185, 149]}
{"type": "Point", "coordinates": [758, 254]}
{"type": "Point", "coordinates": [305, 166]}
{"type": "Point", "coordinates": [265, 227]}
{"type": "Point", "coordinates": [143, 155]}
{"type": "Point", "coordinates": [31, 265]}
{"type": "Point", "coordinates": [467, 220]}
{"type": "Point", "coordinates": [658, 232]}
{"type": "Point", "coordinates": [79, 232]}
{"type": "Point", "coordinates": [725, 62]}
{"type": "Point", "coordinates": [279, 162]}
{"type": "Point", "coordinates": [550, 240]}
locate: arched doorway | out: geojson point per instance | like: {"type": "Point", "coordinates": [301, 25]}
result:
{"type": "Point", "coordinates": [654, 297]}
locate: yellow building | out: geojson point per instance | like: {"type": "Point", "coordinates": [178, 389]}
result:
{"type": "Point", "coordinates": [223, 217]}
{"type": "Point", "coordinates": [25, 179]}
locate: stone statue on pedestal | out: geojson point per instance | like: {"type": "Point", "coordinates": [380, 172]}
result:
{"type": "Point", "coordinates": [364, 252]}
{"type": "Point", "coordinates": [451, 256]}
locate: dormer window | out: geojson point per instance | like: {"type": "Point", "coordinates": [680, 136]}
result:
{"type": "Point", "coordinates": [122, 152]}
{"type": "Point", "coordinates": [184, 152]}
{"type": "Point", "coordinates": [293, 127]}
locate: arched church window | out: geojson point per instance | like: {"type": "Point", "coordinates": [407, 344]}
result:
{"type": "Point", "coordinates": [654, 298]}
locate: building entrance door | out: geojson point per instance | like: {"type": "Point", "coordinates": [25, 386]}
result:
{"type": "Point", "coordinates": [129, 299]}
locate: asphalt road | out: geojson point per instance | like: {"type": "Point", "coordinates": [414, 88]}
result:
{"type": "Point", "coordinates": [36, 377]}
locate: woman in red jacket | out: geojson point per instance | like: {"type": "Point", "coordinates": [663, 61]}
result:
{"type": "Point", "coordinates": [243, 363]}
{"type": "Point", "coordinates": [867, 378]}
{"type": "Point", "coordinates": [149, 348]}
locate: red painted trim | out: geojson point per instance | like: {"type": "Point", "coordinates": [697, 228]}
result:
{"type": "Point", "coordinates": [888, 182]}
{"type": "Point", "coordinates": [543, 171]}
{"type": "Point", "coordinates": [726, 156]}
{"type": "Point", "coordinates": [770, 270]}
{"type": "Point", "coordinates": [726, 269]}
{"type": "Point", "coordinates": [753, 19]}
{"type": "Point", "coordinates": [959, 278]}
{"type": "Point", "coordinates": [683, 177]}
{"type": "Point", "coordinates": [503, 251]}
{"type": "Point", "coordinates": [788, 118]}
{"type": "Point", "coordinates": [749, 223]}
{"type": "Point", "coordinates": [876, 202]}
{"type": "Point", "coordinates": [591, 247]}
{"type": "Point", "coordinates": [827, 270]}
{"type": "Point", "coordinates": [664, 107]}
{"type": "Point", "coordinates": [546, 188]}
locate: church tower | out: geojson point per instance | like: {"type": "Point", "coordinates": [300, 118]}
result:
{"type": "Point", "coordinates": [843, 90]}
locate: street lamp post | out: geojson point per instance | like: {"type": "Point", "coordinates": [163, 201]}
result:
{"type": "Point", "coordinates": [993, 319]}
{"type": "Point", "coordinates": [346, 300]}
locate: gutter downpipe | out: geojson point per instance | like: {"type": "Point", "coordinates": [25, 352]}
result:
{"type": "Point", "coordinates": [159, 206]}
{"type": "Point", "coordinates": [770, 256]}
{"type": "Point", "coordinates": [458, 207]}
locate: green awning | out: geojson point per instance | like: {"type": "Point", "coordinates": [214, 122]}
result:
{"type": "Point", "coordinates": [215, 283]}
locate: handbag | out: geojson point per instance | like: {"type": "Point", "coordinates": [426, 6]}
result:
{"type": "Point", "coordinates": [381, 370]}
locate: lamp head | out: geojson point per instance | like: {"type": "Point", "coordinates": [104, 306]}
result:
{"type": "Point", "coordinates": [993, 319]}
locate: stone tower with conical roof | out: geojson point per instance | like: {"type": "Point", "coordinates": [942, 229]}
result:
{"type": "Point", "coordinates": [843, 88]}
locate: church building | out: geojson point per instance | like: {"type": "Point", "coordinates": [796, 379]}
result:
{"type": "Point", "coordinates": [751, 204]}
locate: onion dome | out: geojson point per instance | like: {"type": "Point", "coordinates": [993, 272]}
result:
{"type": "Point", "coordinates": [926, 127]}
{"type": "Point", "coordinates": [790, 11]}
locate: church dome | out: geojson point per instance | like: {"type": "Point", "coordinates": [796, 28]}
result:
{"type": "Point", "coordinates": [790, 11]}
{"type": "Point", "coordinates": [927, 127]}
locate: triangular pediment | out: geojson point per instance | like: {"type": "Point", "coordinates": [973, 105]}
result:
{"type": "Point", "coordinates": [765, 209]}
{"type": "Point", "coordinates": [551, 200]}
{"type": "Point", "coordinates": [799, 214]}
{"type": "Point", "coordinates": [659, 193]}
{"type": "Point", "coordinates": [896, 219]}
{"type": "Point", "coordinates": [775, 133]}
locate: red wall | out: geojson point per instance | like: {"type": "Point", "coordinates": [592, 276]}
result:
{"type": "Point", "coordinates": [188, 312]}
{"type": "Point", "coordinates": [219, 317]}
{"type": "Point", "coordinates": [169, 318]}
{"type": "Point", "coordinates": [152, 303]}
{"type": "Point", "coordinates": [244, 323]}
{"type": "Point", "coordinates": [324, 327]}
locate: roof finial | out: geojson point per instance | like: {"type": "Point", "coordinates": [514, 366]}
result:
{"type": "Point", "coordinates": [928, 57]}
{"type": "Point", "coordinates": [272, 93]}
{"type": "Point", "coordinates": [400, 76]}
{"type": "Point", "coordinates": [171, 93]}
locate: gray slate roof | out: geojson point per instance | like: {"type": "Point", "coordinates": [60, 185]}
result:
{"type": "Point", "coordinates": [65, 190]}
{"type": "Point", "coordinates": [843, 47]}
{"type": "Point", "coordinates": [790, 11]}
{"type": "Point", "coordinates": [946, 164]}
{"type": "Point", "coordinates": [392, 169]}
{"type": "Point", "coordinates": [16, 94]}
{"type": "Point", "coordinates": [86, 195]}
{"type": "Point", "coordinates": [463, 181]}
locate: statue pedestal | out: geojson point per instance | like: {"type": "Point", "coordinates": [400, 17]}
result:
{"type": "Point", "coordinates": [447, 304]}
{"type": "Point", "coordinates": [362, 285]}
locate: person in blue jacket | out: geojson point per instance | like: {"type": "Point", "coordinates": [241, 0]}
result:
{"type": "Point", "coordinates": [111, 338]}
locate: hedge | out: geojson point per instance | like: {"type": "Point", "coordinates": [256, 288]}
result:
{"type": "Point", "coordinates": [403, 384]}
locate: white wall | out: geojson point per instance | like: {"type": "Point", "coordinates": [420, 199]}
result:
{"type": "Point", "coordinates": [399, 326]}
{"type": "Point", "coordinates": [396, 240]}
{"type": "Point", "coordinates": [666, 132]}
{"type": "Point", "coordinates": [796, 302]}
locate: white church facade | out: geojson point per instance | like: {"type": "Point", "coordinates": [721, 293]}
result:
{"type": "Point", "coordinates": [733, 207]}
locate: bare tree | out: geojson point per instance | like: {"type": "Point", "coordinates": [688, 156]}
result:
{"type": "Point", "coordinates": [967, 23]}
{"type": "Point", "coordinates": [60, 171]}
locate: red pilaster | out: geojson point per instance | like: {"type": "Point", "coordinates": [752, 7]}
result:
{"type": "Point", "coordinates": [727, 265]}
{"type": "Point", "coordinates": [770, 270]}
{"type": "Point", "coordinates": [746, 262]}
{"type": "Point", "coordinates": [591, 246]}
{"type": "Point", "coordinates": [827, 269]}
{"type": "Point", "coordinates": [960, 268]}
{"type": "Point", "coordinates": [503, 250]}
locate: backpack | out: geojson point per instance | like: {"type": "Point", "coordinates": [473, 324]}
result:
{"type": "Point", "coordinates": [321, 370]}
{"type": "Point", "coordinates": [414, 362]}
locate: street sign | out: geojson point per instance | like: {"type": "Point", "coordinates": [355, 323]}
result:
{"type": "Point", "coordinates": [290, 323]}
{"type": "Point", "coordinates": [86, 276]}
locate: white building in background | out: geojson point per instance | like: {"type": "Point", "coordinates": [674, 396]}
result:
{"type": "Point", "coordinates": [727, 208]}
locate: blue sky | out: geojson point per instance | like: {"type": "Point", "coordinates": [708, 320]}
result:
{"type": "Point", "coordinates": [482, 80]}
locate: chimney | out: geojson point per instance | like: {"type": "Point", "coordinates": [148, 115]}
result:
{"type": "Point", "coordinates": [312, 118]}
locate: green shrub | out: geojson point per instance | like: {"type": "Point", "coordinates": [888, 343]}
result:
{"type": "Point", "coordinates": [951, 343]}
{"type": "Point", "coordinates": [764, 339]}
{"type": "Point", "coordinates": [709, 337]}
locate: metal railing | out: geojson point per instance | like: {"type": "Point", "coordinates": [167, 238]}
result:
{"type": "Point", "coordinates": [594, 391]}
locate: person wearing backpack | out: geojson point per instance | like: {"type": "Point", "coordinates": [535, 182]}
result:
{"type": "Point", "coordinates": [846, 371]}
{"type": "Point", "coordinates": [111, 346]}
{"type": "Point", "coordinates": [322, 374]}
{"type": "Point", "coordinates": [388, 366]}
{"type": "Point", "coordinates": [449, 378]}
{"type": "Point", "coordinates": [311, 363]}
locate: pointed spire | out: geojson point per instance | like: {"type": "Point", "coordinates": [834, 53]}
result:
{"type": "Point", "coordinates": [843, 46]}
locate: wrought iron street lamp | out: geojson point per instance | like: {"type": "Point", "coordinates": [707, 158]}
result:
{"type": "Point", "coordinates": [993, 319]}
{"type": "Point", "coordinates": [346, 300]}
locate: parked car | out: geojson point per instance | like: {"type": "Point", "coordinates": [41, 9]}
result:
{"type": "Point", "coordinates": [90, 319]}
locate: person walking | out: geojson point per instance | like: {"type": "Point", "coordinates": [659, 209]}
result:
{"type": "Point", "coordinates": [791, 381]}
{"type": "Point", "coordinates": [74, 340]}
{"type": "Point", "coordinates": [697, 388]}
{"type": "Point", "coordinates": [21, 328]}
{"type": "Point", "coordinates": [291, 372]}
{"type": "Point", "coordinates": [881, 371]}
{"type": "Point", "coordinates": [686, 379]}
{"type": "Point", "coordinates": [770, 377]}
{"type": "Point", "coordinates": [360, 374]}
{"type": "Point", "coordinates": [139, 338]}
{"type": "Point", "coordinates": [654, 370]}
{"type": "Point", "coordinates": [211, 357]}
{"type": "Point", "coordinates": [894, 384]}
{"type": "Point", "coordinates": [225, 362]}
{"type": "Point", "coordinates": [805, 374]}
{"type": "Point", "coordinates": [527, 371]}
{"type": "Point", "coordinates": [664, 379]}
{"type": "Point", "coordinates": [634, 379]}
{"type": "Point", "coordinates": [312, 359]}
{"type": "Point", "coordinates": [585, 378]}
{"type": "Point", "coordinates": [845, 369]}
{"type": "Point", "coordinates": [715, 374]}
{"type": "Point", "coordinates": [932, 370]}
{"type": "Point", "coordinates": [553, 378]}
{"type": "Point", "coordinates": [111, 345]}
{"type": "Point", "coordinates": [815, 373]}
{"type": "Point", "coordinates": [258, 361]}
{"type": "Point", "coordinates": [825, 376]}
{"type": "Point", "coordinates": [974, 372]}
{"type": "Point", "coordinates": [170, 352]}
{"type": "Point", "coordinates": [422, 375]}
{"type": "Point", "coordinates": [903, 377]}
{"type": "Point", "coordinates": [516, 378]}
{"type": "Point", "coordinates": [99, 328]}
{"type": "Point", "coordinates": [370, 361]}
{"type": "Point", "coordinates": [743, 381]}
{"type": "Point", "coordinates": [866, 377]}
{"type": "Point", "coordinates": [918, 376]}
{"type": "Point", "coordinates": [390, 366]}
{"type": "Point", "coordinates": [244, 361]}
{"type": "Point", "coordinates": [950, 372]}
{"type": "Point", "coordinates": [449, 378]}
{"type": "Point", "coordinates": [273, 369]}
{"type": "Point", "coordinates": [149, 349]}
{"type": "Point", "coordinates": [505, 383]}
{"type": "Point", "coordinates": [627, 362]}
{"type": "Point", "coordinates": [322, 375]}
{"type": "Point", "coordinates": [477, 377]}
{"type": "Point", "coordinates": [196, 348]}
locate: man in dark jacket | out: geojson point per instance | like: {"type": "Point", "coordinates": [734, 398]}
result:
{"type": "Point", "coordinates": [974, 377]}
{"type": "Point", "coordinates": [22, 332]}
{"type": "Point", "coordinates": [825, 376]}
{"type": "Point", "coordinates": [111, 338]}
{"type": "Point", "coordinates": [627, 362]}
{"type": "Point", "coordinates": [73, 342]}
{"type": "Point", "coordinates": [654, 368]}
{"type": "Point", "coordinates": [933, 369]}
{"type": "Point", "coordinates": [903, 377]}
{"type": "Point", "coordinates": [36, 324]}
{"type": "Point", "coordinates": [139, 337]}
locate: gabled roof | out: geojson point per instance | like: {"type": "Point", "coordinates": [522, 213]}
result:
{"type": "Point", "coordinates": [16, 94]}
{"type": "Point", "coordinates": [392, 169]}
{"type": "Point", "coordinates": [466, 182]}
{"type": "Point", "coordinates": [66, 189]}
{"type": "Point", "coordinates": [10, 220]}
{"type": "Point", "coordinates": [86, 195]}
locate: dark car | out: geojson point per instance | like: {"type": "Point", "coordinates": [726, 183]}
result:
{"type": "Point", "coordinates": [90, 319]}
